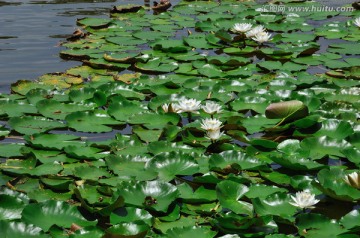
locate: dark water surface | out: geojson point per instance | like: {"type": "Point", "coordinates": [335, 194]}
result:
{"type": "Point", "coordinates": [31, 30]}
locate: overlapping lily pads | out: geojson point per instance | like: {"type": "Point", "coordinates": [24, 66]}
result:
{"type": "Point", "coordinates": [105, 150]}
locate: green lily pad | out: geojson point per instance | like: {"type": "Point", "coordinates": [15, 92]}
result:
{"type": "Point", "coordinates": [324, 145]}
{"type": "Point", "coordinates": [10, 150]}
{"type": "Point", "coordinates": [229, 194]}
{"type": "Point", "coordinates": [237, 160]}
{"type": "Point", "coordinates": [11, 207]}
{"type": "Point", "coordinates": [183, 232]}
{"type": "Point", "coordinates": [43, 195]}
{"type": "Point", "coordinates": [94, 22]}
{"type": "Point", "coordinates": [130, 229]}
{"type": "Point", "coordinates": [51, 213]}
{"type": "Point", "coordinates": [127, 166]}
{"type": "Point", "coordinates": [56, 110]}
{"type": "Point", "coordinates": [351, 220]}
{"type": "Point", "coordinates": [155, 195]}
{"type": "Point", "coordinates": [200, 195]}
{"type": "Point", "coordinates": [88, 232]}
{"type": "Point", "coordinates": [173, 46]}
{"type": "Point", "coordinates": [170, 164]}
{"type": "Point", "coordinates": [317, 225]}
{"type": "Point", "coordinates": [157, 65]}
{"type": "Point", "coordinates": [90, 172]}
{"type": "Point", "coordinates": [131, 214]}
{"type": "Point", "coordinates": [82, 152]}
{"type": "Point", "coordinates": [52, 141]}
{"type": "Point", "coordinates": [123, 109]}
{"type": "Point", "coordinates": [332, 183]}
{"type": "Point", "coordinates": [21, 230]}
{"type": "Point", "coordinates": [275, 204]}
{"type": "Point", "coordinates": [3, 131]}
{"type": "Point", "coordinates": [153, 120]}
{"type": "Point", "coordinates": [16, 108]}
{"type": "Point", "coordinates": [335, 129]}
{"type": "Point", "coordinates": [262, 191]}
{"type": "Point", "coordinates": [91, 121]}
{"type": "Point", "coordinates": [28, 125]}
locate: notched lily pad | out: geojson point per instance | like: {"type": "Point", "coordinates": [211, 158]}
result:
{"type": "Point", "coordinates": [28, 125]}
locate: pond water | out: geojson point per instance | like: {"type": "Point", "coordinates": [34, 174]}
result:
{"type": "Point", "coordinates": [31, 31]}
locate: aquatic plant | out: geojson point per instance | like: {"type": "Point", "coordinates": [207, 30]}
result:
{"type": "Point", "coordinates": [104, 149]}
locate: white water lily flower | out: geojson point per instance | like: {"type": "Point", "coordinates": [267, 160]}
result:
{"type": "Point", "coordinates": [304, 199]}
{"type": "Point", "coordinates": [357, 22]}
{"type": "Point", "coordinates": [242, 27]}
{"type": "Point", "coordinates": [353, 180]}
{"type": "Point", "coordinates": [262, 37]}
{"type": "Point", "coordinates": [187, 105]}
{"type": "Point", "coordinates": [165, 107]}
{"type": "Point", "coordinates": [254, 31]}
{"type": "Point", "coordinates": [211, 124]}
{"type": "Point", "coordinates": [214, 134]}
{"type": "Point", "coordinates": [169, 107]}
{"type": "Point", "coordinates": [211, 107]}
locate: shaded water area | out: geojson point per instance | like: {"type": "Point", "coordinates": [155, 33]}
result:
{"type": "Point", "coordinates": [31, 31]}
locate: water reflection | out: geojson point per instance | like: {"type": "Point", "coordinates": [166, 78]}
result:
{"type": "Point", "coordinates": [2, 3]}
{"type": "Point", "coordinates": [7, 37]}
{"type": "Point", "coordinates": [84, 12]}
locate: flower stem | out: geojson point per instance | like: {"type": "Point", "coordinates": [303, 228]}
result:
{"type": "Point", "coordinates": [189, 116]}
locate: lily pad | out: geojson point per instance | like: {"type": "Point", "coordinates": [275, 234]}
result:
{"type": "Point", "coordinates": [229, 194]}
{"type": "Point", "coordinates": [154, 195]}
{"type": "Point", "coordinates": [51, 213]}
{"type": "Point", "coordinates": [21, 230]}
{"type": "Point", "coordinates": [170, 164]}
{"type": "Point", "coordinates": [92, 121]}
{"type": "Point", "coordinates": [28, 125]}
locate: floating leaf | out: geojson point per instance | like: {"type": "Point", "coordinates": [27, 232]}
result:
{"type": "Point", "coordinates": [155, 195]}
{"type": "Point", "coordinates": [332, 183]}
{"type": "Point", "coordinates": [51, 213]}
{"type": "Point", "coordinates": [315, 225]}
{"type": "Point", "coordinates": [324, 145]}
{"type": "Point", "coordinates": [16, 108]}
{"type": "Point", "coordinates": [289, 110]}
{"type": "Point", "coordinates": [183, 232]}
{"type": "Point", "coordinates": [351, 220]}
{"type": "Point", "coordinates": [52, 141]}
{"type": "Point", "coordinates": [21, 230]}
{"type": "Point", "coordinates": [229, 194]}
{"type": "Point", "coordinates": [10, 150]}
{"type": "Point", "coordinates": [130, 167]}
{"type": "Point", "coordinates": [56, 110]}
{"type": "Point", "coordinates": [93, 121]}
{"type": "Point", "coordinates": [130, 214]}
{"type": "Point", "coordinates": [128, 230]}
{"type": "Point", "coordinates": [230, 158]}
{"type": "Point", "coordinates": [275, 204]}
{"type": "Point", "coordinates": [170, 164]}
{"type": "Point", "coordinates": [10, 207]}
{"type": "Point", "coordinates": [31, 125]}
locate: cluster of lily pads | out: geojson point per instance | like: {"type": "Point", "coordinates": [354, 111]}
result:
{"type": "Point", "coordinates": [177, 126]}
